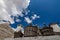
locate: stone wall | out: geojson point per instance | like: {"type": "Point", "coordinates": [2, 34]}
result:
{"type": "Point", "coordinates": [36, 38]}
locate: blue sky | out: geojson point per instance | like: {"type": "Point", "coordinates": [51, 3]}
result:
{"type": "Point", "coordinates": [48, 10]}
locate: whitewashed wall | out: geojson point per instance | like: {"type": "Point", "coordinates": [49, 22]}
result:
{"type": "Point", "coordinates": [55, 27]}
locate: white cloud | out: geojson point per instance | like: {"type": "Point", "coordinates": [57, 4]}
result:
{"type": "Point", "coordinates": [35, 16]}
{"type": "Point", "coordinates": [26, 12]}
{"type": "Point", "coordinates": [18, 20]}
{"type": "Point", "coordinates": [28, 20]}
{"type": "Point", "coordinates": [10, 8]}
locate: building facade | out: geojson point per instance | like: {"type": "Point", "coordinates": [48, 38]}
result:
{"type": "Point", "coordinates": [47, 31]}
{"type": "Point", "coordinates": [18, 34]}
{"type": "Point", "coordinates": [19, 31]}
{"type": "Point", "coordinates": [31, 31]}
{"type": "Point", "coordinates": [56, 28]}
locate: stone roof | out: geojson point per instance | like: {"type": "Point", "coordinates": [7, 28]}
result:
{"type": "Point", "coordinates": [6, 31]}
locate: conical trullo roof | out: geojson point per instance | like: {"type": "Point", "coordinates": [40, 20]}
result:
{"type": "Point", "coordinates": [6, 31]}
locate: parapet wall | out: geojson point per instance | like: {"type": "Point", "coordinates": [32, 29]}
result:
{"type": "Point", "coordinates": [37, 38]}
